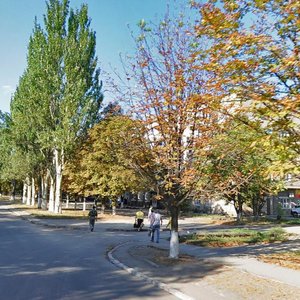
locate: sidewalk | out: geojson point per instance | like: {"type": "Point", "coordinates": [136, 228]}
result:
{"type": "Point", "coordinates": [207, 272]}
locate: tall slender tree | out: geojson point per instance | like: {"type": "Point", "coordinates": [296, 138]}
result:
{"type": "Point", "coordinates": [63, 91]}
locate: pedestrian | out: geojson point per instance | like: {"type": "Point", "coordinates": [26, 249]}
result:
{"type": "Point", "coordinates": [151, 220]}
{"type": "Point", "coordinates": [93, 217]}
{"type": "Point", "coordinates": [139, 219]}
{"type": "Point", "coordinates": [150, 211]}
{"type": "Point", "coordinates": [156, 222]}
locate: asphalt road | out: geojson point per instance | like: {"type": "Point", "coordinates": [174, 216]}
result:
{"type": "Point", "coordinates": [39, 263]}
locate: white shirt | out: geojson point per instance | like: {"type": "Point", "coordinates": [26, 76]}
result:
{"type": "Point", "coordinates": [156, 219]}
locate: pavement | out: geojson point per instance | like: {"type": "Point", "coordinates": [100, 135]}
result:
{"type": "Point", "coordinates": [185, 281]}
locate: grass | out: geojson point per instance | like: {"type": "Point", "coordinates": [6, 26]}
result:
{"type": "Point", "coordinates": [260, 221]}
{"type": "Point", "coordinates": [235, 237]}
{"type": "Point", "coordinates": [35, 212]}
{"type": "Point", "coordinates": [66, 213]}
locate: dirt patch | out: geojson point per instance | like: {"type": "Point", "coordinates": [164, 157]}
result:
{"type": "Point", "coordinates": [249, 286]}
{"type": "Point", "coordinates": [201, 272]}
{"type": "Point", "coordinates": [287, 259]}
{"type": "Point", "coordinates": [161, 256]}
{"type": "Point", "coordinates": [156, 263]}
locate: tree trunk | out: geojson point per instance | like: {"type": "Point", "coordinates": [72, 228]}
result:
{"type": "Point", "coordinates": [45, 183]}
{"type": "Point", "coordinates": [240, 207]}
{"type": "Point", "coordinates": [24, 192]}
{"type": "Point", "coordinates": [32, 191]}
{"type": "Point", "coordinates": [59, 158]}
{"type": "Point", "coordinates": [102, 206]}
{"type": "Point", "coordinates": [67, 201]}
{"type": "Point", "coordinates": [113, 206]}
{"type": "Point", "coordinates": [255, 207]}
{"type": "Point", "coordinates": [28, 192]}
{"type": "Point", "coordinates": [13, 191]}
{"type": "Point", "coordinates": [84, 204]}
{"type": "Point", "coordinates": [174, 241]}
{"type": "Point", "coordinates": [40, 192]}
{"type": "Point", "coordinates": [51, 195]}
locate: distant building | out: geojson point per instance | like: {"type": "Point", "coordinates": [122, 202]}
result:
{"type": "Point", "coordinates": [288, 198]}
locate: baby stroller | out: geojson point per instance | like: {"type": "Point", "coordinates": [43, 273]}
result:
{"type": "Point", "coordinates": [138, 224]}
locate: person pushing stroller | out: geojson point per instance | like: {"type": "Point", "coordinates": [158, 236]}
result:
{"type": "Point", "coordinates": [139, 219]}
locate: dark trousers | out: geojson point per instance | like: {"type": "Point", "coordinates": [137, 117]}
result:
{"type": "Point", "coordinates": [92, 223]}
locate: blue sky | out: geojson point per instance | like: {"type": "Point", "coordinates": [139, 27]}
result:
{"type": "Point", "coordinates": [110, 20]}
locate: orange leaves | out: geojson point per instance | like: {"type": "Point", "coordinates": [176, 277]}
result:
{"type": "Point", "coordinates": [143, 63]}
{"type": "Point", "coordinates": [215, 22]}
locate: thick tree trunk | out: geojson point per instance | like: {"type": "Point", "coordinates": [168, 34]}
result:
{"type": "Point", "coordinates": [45, 195]}
{"type": "Point", "coordinates": [51, 195]}
{"type": "Point", "coordinates": [174, 241]}
{"type": "Point", "coordinates": [24, 192]}
{"type": "Point", "coordinates": [59, 158]}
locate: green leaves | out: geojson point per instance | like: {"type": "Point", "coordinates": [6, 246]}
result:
{"type": "Point", "coordinates": [104, 165]}
{"type": "Point", "coordinates": [59, 95]}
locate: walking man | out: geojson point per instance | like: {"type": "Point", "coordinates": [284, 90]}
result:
{"type": "Point", "coordinates": [93, 217]}
{"type": "Point", "coordinates": [156, 222]}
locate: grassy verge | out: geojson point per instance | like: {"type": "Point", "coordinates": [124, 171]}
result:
{"type": "Point", "coordinates": [259, 221]}
{"type": "Point", "coordinates": [69, 213]}
{"type": "Point", "coordinates": [235, 237]}
{"type": "Point", "coordinates": [227, 220]}
{"type": "Point", "coordinates": [66, 213]}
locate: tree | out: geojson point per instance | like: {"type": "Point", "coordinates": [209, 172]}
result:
{"type": "Point", "coordinates": [102, 167]}
{"type": "Point", "coordinates": [254, 54]}
{"type": "Point", "coordinates": [176, 107]}
{"type": "Point", "coordinates": [241, 169]}
{"type": "Point", "coordinates": [61, 87]}
{"type": "Point", "coordinates": [8, 168]}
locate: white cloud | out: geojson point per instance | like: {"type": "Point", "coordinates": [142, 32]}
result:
{"type": "Point", "coordinates": [7, 89]}
{"type": "Point", "coordinates": [6, 92]}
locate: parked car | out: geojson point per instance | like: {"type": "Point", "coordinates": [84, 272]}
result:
{"type": "Point", "coordinates": [295, 211]}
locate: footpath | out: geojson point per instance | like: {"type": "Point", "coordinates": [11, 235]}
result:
{"type": "Point", "coordinates": [201, 273]}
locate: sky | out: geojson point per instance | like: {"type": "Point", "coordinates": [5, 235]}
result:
{"type": "Point", "coordinates": [110, 20]}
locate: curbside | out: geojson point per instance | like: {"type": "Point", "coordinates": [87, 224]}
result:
{"type": "Point", "coordinates": [148, 279]}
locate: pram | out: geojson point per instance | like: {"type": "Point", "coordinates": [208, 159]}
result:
{"type": "Point", "coordinates": [139, 224]}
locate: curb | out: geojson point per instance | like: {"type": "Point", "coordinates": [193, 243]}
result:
{"type": "Point", "coordinates": [40, 223]}
{"type": "Point", "coordinates": [148, 279]}
{"type": "Point", "coordinates": [69, 227]}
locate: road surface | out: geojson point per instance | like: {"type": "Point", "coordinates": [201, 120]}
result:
{"type": "Point", "coordinates": [40, 263]}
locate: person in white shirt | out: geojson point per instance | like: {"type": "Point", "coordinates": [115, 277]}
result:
{"type": "Point", "coordinates": [155, 223]}
{"type": "Point", "coordinates": [149, 213]}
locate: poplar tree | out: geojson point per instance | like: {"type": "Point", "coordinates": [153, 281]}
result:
{"type": "Point", "coordinates": [62, 90]}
